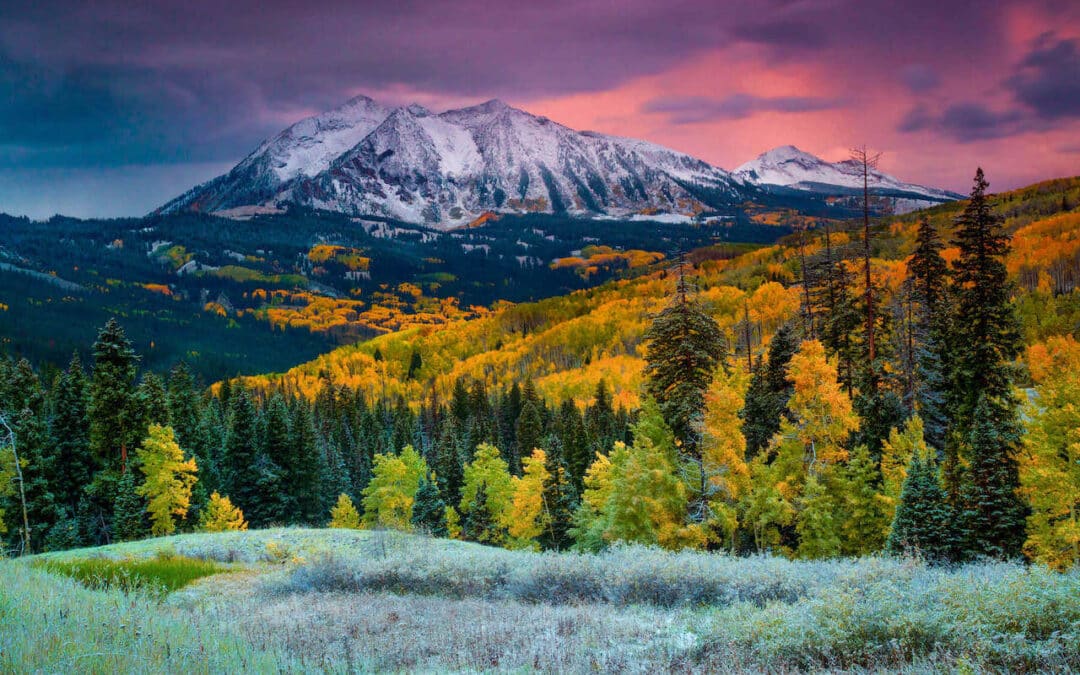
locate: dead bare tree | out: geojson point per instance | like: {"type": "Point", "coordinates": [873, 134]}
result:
{"type": "Point", "coordinates": [867, 162]}
{"type": "Point", "coordinates": [9, 439]}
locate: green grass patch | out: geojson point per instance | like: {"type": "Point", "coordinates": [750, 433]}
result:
{"type": "Point", "coordinates": [160, 575]}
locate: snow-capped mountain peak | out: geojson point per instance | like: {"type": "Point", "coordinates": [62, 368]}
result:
{"type": "Point", "coordinates": [789, 166]}
{"type": "Point", "coordinates": [446, 169]}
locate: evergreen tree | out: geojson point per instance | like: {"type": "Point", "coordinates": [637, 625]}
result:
{"type": "Point", "coordinates": [920, 524]}
{"type": "Point", "coordinates": [239, 470]}
{"type": "Point", "coordinates": [769, 391]}
{"type": "Point", "coordinates": [152, 400]}
{"type": "Point", "coordinates": [530, 433]}
{"type": "Point", "coordinates": [573, 443]}
{"type": "Point", "coordinates": [601, 424]}
{"type": "Point", "coordinates": [987, 336]}
{"type": "Point", "coordinates": [70, 437]}
{"type": "Point", "coordinates": [929, 276]}
{"type": "Point", "coordinates": [183, 405]}
{"type": "Point", "coordinates": [305, 468]}
{"type": "Point", "coordinates": [415, 364]}
{"type": "Point", "coordinates": [448, 465]}
{"type": "Point", "coordinates": [993, 519]}
{"type": "Point", "coordinates": [429, 509]}
{"type": "Point", "coordinates": [278, 448]}
{"type": "Point", "coordinates": [37, 465]}
{"type": "Point", "coordinates": [559, 500]}
{"type": "Point", "coordinates": [480, 525]}
{"type": "Point", "coordinates": [685, 349]}
{"type": "Point", "coordinates": [129, 520]}
{"type": "Point", "coordinates": [113, 411]}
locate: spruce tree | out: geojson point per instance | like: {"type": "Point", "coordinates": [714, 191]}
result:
{"type": "Point", "coordinates": [479, 524]}
{"type": "Point", "coordinates": [306, 467]}
{"type": "Point", "coordinates": [129, 509]}
{"type": "Point", "coordinates": [278, 448]}
{"type": "Point", "coordinates": [530, 434]}
{"type": "Point", "coordinates": [685, 349]}
{"type": "Point", "coordinates": [183, 402]}
{"type": "Point", "coordinates": [241, 452]}
{"type": "Point", "coordinates": [70, 437]}
{"type": "Point", "coordinates": [929, 276]}
{"type": "Point", "coordinates": [113, 411]}
{"type": "Point", "coordinates": [769, 391]}
{"type": "Point", "coordinates": [987, 336]}
{"type": "Point", "coordinates": [920, 524]}
{"type": "Point", "coordinates": [429, 509]}
{"type": "Point", "coordinates": [448, 466]}
{"type": "Point", "coordinates": [993, 517]}
{"type": "Point", "coordinates": [559, 503]}
{"type": "Point", "coordinates": [153, 401]}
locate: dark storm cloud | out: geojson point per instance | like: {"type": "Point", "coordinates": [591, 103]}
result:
{"type": "Point", "coordinates": [1048, 79]}
{"type": "Point", "coordinates": [1044, 86]}
{"type": "Point", "coordinates": [116, 82]}
{"type": "Point", "coordinates": [696, 109]}
{"type": "Point", "coordinates": [965, 122]}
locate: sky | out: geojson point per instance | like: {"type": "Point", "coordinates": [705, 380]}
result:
{"type": "Point", "coordinates": [112, 107]}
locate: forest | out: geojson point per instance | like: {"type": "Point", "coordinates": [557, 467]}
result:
{"type": "Point", "coordinates": [906, 386]}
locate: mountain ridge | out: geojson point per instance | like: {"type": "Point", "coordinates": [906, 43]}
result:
{"type": "Point", "coordinates": [446, 169]}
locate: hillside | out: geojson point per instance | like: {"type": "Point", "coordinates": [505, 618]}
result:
{"type": "Point", "coordinates": [338, 600]}
{"type": "Point", "coordinates": [568, 344]}
{"type": "Point", "coordinates": [267, 291]}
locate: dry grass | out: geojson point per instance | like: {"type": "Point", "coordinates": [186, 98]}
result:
{"type": "Point", "coordinates": [343, 601]}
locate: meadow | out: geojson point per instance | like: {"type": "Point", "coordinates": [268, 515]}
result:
{"type": "Point", "coordinates": [308, 600]}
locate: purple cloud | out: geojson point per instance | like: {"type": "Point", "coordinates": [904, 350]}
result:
{"type": "Point", "coordinates": [696, 109]}
{"type": "Point", "coordinates": [1048, 78]}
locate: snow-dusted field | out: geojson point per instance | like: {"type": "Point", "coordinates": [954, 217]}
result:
{"type": "Point", "coordinates": [340, 601]}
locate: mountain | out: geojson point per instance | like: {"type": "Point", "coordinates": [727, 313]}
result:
{"type": "Point", "coordinates": [302, 150]}
{"type": "Point", "coordinates": [789, 166]}
{"type": "Point", "coordinates": [447, 169]}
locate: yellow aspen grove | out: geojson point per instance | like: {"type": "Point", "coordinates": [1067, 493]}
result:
{"type": "Point", "coordinates": [1050, 460]}
{"type": "Point", "coordinates": [344, 515]}
{"type": "Point", "coordinates": [527, 518]}
{"type": "Point", "coordinates": [169, 479]}
{"type": "Point", "coordinates": [221, 516]}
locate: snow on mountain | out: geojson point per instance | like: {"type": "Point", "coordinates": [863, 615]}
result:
{"type": "Point", "coordinates": [791, 167]}
{"type": "Point", "coordinates": [304, 149]}
{"type": "Point", "coordinates": [447, 169]}
{"type": "Point", "coordinates": [444, 170]}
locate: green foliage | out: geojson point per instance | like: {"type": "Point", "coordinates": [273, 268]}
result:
{"type": "Point", "coordinates": [685, 349]}
{"type": "Point", "coordinates": [129, 519]}
{"type": "Point", "coordinates": [389, 497]}
{"type": "Point", "coordinates": [429, 509]}
{"type": "Point", "coordinates": [993, 516]}
{"type": "Point", "coordinates": [159, 576]}
{"type": "Point", "coordinates": [920, 525]}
